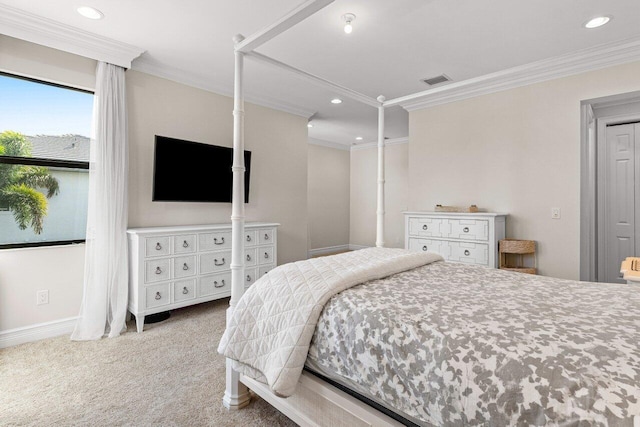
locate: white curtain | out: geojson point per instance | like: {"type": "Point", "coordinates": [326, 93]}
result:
{"type": "Point", "coordinates": [104, 302]}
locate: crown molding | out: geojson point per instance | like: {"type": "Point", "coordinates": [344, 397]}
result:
{"type": "Point", "coordinates": [329, 144]}
{"type": "Point", "coordinates": [146, 65]}
{"type": "Point", "coordinates": [36, 29]}
{"type": "Point", "coordinates": [387, 142]}
{"type": "Point", "coordinates": [594, 58]}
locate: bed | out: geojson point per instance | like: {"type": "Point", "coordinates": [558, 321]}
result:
{"type": "Point", "coordinates": [430, 343]}
{"type": "Point", "coordinates": [455, 344]}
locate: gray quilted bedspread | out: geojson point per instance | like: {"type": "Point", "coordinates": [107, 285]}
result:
{"type": "Point", "coordinates": [452, 344]}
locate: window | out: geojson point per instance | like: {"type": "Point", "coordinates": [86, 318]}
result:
{"type": "Point", "coordinates": [44, 162]}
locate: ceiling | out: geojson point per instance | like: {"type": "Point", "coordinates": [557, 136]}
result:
{"type": "Point", "coordinates": [394, 44]}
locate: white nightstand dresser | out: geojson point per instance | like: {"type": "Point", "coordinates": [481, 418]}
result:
{"type": "Point", "coordinates": [172, 267]}
{"type": "Point", "coordinates": [460, 237]}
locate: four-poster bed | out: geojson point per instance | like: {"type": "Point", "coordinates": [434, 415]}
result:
{"type": "Point", "coordinates": [464, 350]}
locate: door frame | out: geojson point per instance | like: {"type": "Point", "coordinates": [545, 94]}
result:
{"type": "Point", "coordinates": [593, 129]}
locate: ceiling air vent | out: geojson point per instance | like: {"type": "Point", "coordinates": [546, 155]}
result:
{"type": "Point", "coordinates": [432, 81]}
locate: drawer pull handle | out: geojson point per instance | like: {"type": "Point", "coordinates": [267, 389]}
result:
{"type": "Point", "coordinates": [248, 238]}
{"type": "Point", "coordinates": [424, 248]}
{"type": "Point", "coordinates": [158, 270]}
{"type": "Point", "coordinates": [424, 227]}
{"type": "Point", "coordinates": [248, 257]}
{"type": "Point", "coordinates": [266, 255]}
{"type": "Point", "coordinates": [215, 262]}
{"type": "Point", "coordinates": [215, 284]}
{"type": "Point", "coordinates": [158, 246]}
{"type": "Point", "coordinates": [185, 244]}
{"type": "Point", "coordinates": [185, 266]}
{"type": "Point", "coordinates": [185, 290]}
{"type": "Point", "coordinates": [467, 253]}
{"type": "Point", "coordinates": [266, 236]}
{"type": "Point", "coordinates": [466, 229]}
{"type": "Point", "coordinates": [215, 241]}
{"type": "Point", "coordinates": [158, 296]}
{"type": "Point", "coordinates": [248, 278]}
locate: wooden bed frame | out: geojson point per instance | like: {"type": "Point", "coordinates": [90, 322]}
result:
{"type": "Point", "coordinates": [315, 402]}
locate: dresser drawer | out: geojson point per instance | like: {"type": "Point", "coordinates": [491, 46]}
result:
{"type": "Point", "coordinates": [214, 241]}
{"type": "Point", "coordinates": [157, 270]}
{"type": "Point", "coordinates": [250, 238]}
{"type": "Point", "coordinates": [438, 246]}
{"type": "Point", "coordinates": [471, 253]}
{"type": "Point", "coordinates": [265, 236]}
{"type": "Point", "coordinates": [215, 261]}
{"type": "Point", "coordinates": [157, 246]}
{"type": "Point", "coordinates": [184, 244]}
{"type": "Point", "coordinates": [184, 266]}
{"type": "Point", "coordinates": [265, 255]}
{"type": "Point", "coordinates": [264, 270]}
{"type": "Point", "coordinates": [184, 290]}
{"type": "Point", "coordinates": [425, 227]}
{"type": "Point", "coordinates": [250, 276]}
{"type": "Point", "coordinates": [250, 257]}
{"type": "Point", "coordinates": [214, 284]}
{"type": "Point", "coordinates": [157, 295]}
{"type": "Point", "coordinates": [468, 229]}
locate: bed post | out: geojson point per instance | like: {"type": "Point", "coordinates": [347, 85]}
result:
{"type": "Point", "coordinates": [236, 394]}
{"type": "Point", "coordinates": [380, 210]}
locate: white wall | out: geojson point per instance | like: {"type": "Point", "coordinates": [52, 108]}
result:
{"type": "Point", "coordinates": [364, 173]}
{"type": "Point", "coordinates": [157, 106]}
{"type": "Point", "coordinates": [277, 140]}
{"type": "Point", "coordinates": [328, 193]}
{"type": "Point", "coordinates": [58, 269]}
{"type": "Point", "coordinates": [516, 151]}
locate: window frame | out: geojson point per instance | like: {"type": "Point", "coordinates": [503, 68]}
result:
{"type": "Point", "coordinates": [38, 161]}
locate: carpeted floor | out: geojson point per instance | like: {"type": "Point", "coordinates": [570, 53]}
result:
{"type": "Point", "coordinates": [169, 375]}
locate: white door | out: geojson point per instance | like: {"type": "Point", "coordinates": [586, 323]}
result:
{"type": "Point", "coordinates": [622, 183]}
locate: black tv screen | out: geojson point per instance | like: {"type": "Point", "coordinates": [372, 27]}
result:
{"type": "Point", "coordinates": [186, 171]}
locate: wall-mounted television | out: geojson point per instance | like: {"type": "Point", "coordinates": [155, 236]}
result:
{"type": "Point", "coordinates": [186, 171]}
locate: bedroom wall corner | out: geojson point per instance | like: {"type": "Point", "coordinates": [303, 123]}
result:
{"type": "Point", "coordinates": [363, 190]}
{"type": "Point", "coordinates": [328, 198]}
{"type": "Point", "coordinates": [517, 152]}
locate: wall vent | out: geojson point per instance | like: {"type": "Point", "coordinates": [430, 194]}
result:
{"type": "Point", "coordinates": [432, 81]}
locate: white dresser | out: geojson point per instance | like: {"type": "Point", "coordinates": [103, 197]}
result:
{"type": "Point", "coordinates": [460, 237]}
{"type": "Point", "coordinates": [172, 267]}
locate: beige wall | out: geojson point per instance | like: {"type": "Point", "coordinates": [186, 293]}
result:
{"type": "Point", "coordinates": [516, 151]}
{"type": "Point", "coordinates": [278, 142]}
{"type": "Point", "coordinates": [364, 172]}
{"type": "Point", "coordinates": [328, 197]}
{"type": "Point", "coordinates": [59, 269]}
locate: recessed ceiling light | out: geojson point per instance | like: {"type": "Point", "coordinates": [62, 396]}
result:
{"type": "Point", "coordinates": [336, 101]}
{"type": "Point", "coordinates": [598, 21]}
{"type": "Point", "coordinates": [358, 138]}
{"type": "Point", "coordinates": [90, 12]}
{"type": "Point", "coordinates": [309, 125]}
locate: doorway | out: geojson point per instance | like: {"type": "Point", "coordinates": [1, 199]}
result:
{"type": "Point", "coordinates": [610, 186]}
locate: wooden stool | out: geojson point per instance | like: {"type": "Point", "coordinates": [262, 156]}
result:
{"type": "Point", "coordinates": [518, 255]}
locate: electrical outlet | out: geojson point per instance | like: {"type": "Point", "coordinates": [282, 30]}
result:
{"type": "Point", "coordinates": [555, 213]}
{"type": "Point", "coordinates": [42, 297]}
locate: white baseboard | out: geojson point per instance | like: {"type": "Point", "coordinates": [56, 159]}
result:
{"type": "Point", "coordinates": [37, 332]}
{"type": "Point", "coordinates": [327, 250]}
{"type": "Point", "coordinates": [357, 247]}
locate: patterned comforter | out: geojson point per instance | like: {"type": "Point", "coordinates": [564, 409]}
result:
{"type": "Point", "coordinates": [453, 344]}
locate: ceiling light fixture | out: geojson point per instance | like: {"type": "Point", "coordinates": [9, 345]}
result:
{"type": "Point", "coordinates": [309, 125]}
{"type": "Point", "coordinates": [348, 18]}
{"type": "Point", "coordinates": [90, 12]}
{"type": "Point", "coordinates": [336, 101]}
{"type": "Point", "coordinates": [358, 138]}
{"type": "Point", "coordinates": [598, 21]}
